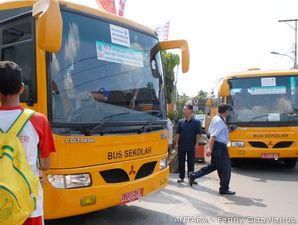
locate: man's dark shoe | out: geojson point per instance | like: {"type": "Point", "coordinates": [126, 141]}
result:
{"type": "Point", "coordinates": [227, 192]}
{"type": "Point", "coordinates": [180, 181]}
{"type": "Point", "coordinates": [195, 183]}
{"type": "Point", "coordinates": [191, 179]}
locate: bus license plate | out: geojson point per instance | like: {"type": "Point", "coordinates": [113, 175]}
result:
{"type": "Point", "coordinates": [132, 196]}
{"type": "Point", "coordinates": [270, 156]}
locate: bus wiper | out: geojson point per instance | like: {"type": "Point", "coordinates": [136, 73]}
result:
{"type": "Point", "coordinates": [148, 127]}
{"type": "Point", "coordinates": [101, 123]}
{"type": "Point", "coordinates": [290, 113]}
{"type": "Point", "coordinates": [258, 117]}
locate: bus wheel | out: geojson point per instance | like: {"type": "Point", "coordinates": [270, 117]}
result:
{"type": "Point", "coordinates": [290, 163]}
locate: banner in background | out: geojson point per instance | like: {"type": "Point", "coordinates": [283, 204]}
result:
{"type": "Point", "coordinates": [121, 7]}
{"type": "Point", "coordinates": [107, 5]}
{"type": "Point", "coordinates": [163, 31]}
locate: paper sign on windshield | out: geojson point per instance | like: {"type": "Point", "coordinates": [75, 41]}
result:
{"type": "Point", "coordinates": [233, 91]}
{"type": "Point", "coordinates": [268, 90]}
{"type": "Point", "coordinates": [268, 81]}
{"type": "Point", "coordinates": [120, 35]}
{"type": "Point", "coordinates": [117, 54]}
{"type": "Point", "coordinates": [273, 116]}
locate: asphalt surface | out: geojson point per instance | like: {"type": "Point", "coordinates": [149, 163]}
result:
{"type": "Point", "coordinates": [267, 193]}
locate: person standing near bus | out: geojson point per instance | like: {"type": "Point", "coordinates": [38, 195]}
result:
{"type": "Point", "coordinates": [218, 150]}
{"type": "Point", "coordinates": [188, 134]}
{"type": "Point", "coordinates": [36, 136]}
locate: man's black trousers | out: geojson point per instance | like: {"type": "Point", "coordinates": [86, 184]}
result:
{"type": "Point", "coordinates": [220, 161]}
{"type": "Point", "coordinates": [190, 162]}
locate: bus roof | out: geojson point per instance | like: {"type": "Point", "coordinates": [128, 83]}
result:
{"type": "Point", "coordinates": [261, 73]}
{"type": "Point", "coordinates": [11, 4]}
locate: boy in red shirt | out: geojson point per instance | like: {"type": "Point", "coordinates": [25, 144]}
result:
{"type": "Point", "coordinates": [36, 135]}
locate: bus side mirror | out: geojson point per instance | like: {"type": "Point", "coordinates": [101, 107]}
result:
{"type": "Point", "coordinates": [182, 44]}
{"type": "Point", "coordinates": [167, 45]}
{"type": "Point", "coordinates": [224, 90]}
{"type": "Point", "coordinates": [48, 24]}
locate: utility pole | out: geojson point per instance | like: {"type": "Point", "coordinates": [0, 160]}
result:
{"type": "Point", "coordinates": [295, 29]}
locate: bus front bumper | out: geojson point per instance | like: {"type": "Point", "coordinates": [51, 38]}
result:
{"type": "Point", "coordinates": [59, 203]}
{"type": "Point", "coordinates": [242, 152]}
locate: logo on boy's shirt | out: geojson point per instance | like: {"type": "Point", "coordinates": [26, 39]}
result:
{"type": "Point", "coordinates": [24, 139]}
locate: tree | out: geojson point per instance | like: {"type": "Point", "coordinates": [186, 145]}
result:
{"type": "Point", "coordinates": [170, 61]}
{"type": "Point", "coordinates": [202, 100]}
{"type": "Point", "coordinates": [181, 101]}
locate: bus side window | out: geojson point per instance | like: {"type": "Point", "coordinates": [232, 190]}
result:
{"type": "Point", "coordinates": [17, 46]}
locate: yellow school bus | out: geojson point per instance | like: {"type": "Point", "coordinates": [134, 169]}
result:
{"type": "Point", "coordinates": [265, 111]}
{"type": "Point", "coordinates": [99, 79]}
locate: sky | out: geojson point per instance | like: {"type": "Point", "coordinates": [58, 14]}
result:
{"type": "Point", "coordinates": [224, 36]}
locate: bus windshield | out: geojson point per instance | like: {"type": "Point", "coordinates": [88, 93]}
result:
{"type": "Point", "coordinates": [264, 99]}
{"type": "Point", "coordinates": [104, 69]}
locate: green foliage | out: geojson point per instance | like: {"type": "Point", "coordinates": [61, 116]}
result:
{"type": "Point", "coordinates": [170, 61]}
{"type": "Point", "coordinates": [173, 116]}
{"type": "Point", "coordinates": [181, 101]}
{"type": "Point", "coordinates": [202, 100]}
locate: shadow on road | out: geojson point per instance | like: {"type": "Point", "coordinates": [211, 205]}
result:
{"type": "Point", "coordinates": [204, 207]}
{"type": "Point", "coordinates": [235, 199]}
{"type": "Point", "coordinates": [167, 196]}
{"type": "Point", "coordinates": [119, 215]}
{"type": "Point", "coordinates": [244, 201]}
{"type": "Point", "coordinates": [266, 170]}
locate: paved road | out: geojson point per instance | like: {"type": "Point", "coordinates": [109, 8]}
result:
{"type": "Point", "coordinates": [264, 190]}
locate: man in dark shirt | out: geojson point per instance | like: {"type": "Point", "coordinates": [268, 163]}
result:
{"type": "Point", "coordinates": [187, 137]}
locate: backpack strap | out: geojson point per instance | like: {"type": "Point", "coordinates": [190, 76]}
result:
{"type": "Point", "coordinates": [20, 122]}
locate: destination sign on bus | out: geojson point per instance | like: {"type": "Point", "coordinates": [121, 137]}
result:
{"type": "Point", "coordinates": [279, 135]}
{"type": "Point", "coordinates": [128, 153]}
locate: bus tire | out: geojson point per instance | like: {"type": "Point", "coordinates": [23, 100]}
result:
{"type": "Point", "coordinates": [290, 163]}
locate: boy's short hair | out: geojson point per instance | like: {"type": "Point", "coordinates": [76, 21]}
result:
{"type": "Point", "coordinates": [222, 108]}
{"type": "Point", "coordinates": [10, 78]}
{"type": "Point", "coordinates": [189, 106]}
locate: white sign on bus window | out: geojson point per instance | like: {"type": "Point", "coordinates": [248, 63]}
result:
{"type": "Point", "coordinates": [268, 81]}
{"type": "Point", "coordinates": [118, 54]}
{"type": "Point", "coordinates": [120, 35]}
{"type": "Point", "coordinates": [268, 90]}
{"type": "Point", "coordinates": [273, 116]}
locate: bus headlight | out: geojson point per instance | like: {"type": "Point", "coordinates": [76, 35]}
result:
{"type": "Point", "coordinates": [237, 143]}
{"type": "Point", "coordinates": [57, 181]}
{"type": "Point", "coordinates": [70, 181]}
{"type": "Point", "coordinates": [163, 164]}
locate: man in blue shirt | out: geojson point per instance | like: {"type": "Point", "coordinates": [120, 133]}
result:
{"type": "Point", "coordinates": [217, 148]}
{"type": "Point", "coordinates": [187, 137]}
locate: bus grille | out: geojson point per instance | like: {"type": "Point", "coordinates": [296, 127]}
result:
{"type": "Point", "coordinates": [119, 175]}
{"type": "Point", "coordinates": [258, 144]}
{"type": "Point", "coordinates": [114, 176]}
{"type": "Point", "coordinates": [283, 144]}
{"type": "Point", "coordinates": [146, 170]}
